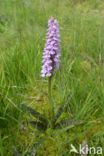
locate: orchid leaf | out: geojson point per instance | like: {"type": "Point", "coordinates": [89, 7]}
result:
{"type": "Point", "coordinates": [38, 125]}
{"type": "Point", "coordinates": [35, 114]}
{"type": "Point", "coordinates": [67, 122]}
{"type": "Point", "coordinates": [62, 108]}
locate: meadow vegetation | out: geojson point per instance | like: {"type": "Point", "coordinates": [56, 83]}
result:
{"type": "Point", "coordinates": [23, 25]}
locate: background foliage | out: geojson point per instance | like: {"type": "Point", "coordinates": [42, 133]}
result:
{"type": "Point", "coordinates": [23, 25]}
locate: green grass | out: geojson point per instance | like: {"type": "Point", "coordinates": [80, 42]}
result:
{"type": "Point", "coordinates": [23, 25]}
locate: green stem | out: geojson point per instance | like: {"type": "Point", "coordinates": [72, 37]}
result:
{"type": "Point", "coordinates": [49, 88]}
{"type": "Point", "coordinates": [50, 98]}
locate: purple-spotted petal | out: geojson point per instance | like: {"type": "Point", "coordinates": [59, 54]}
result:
{"type": "Point", "coordinates": [51, 53]}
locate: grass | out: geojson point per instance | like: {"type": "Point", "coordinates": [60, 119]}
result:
{"type": "Point", "coordinates": [23, 25]}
